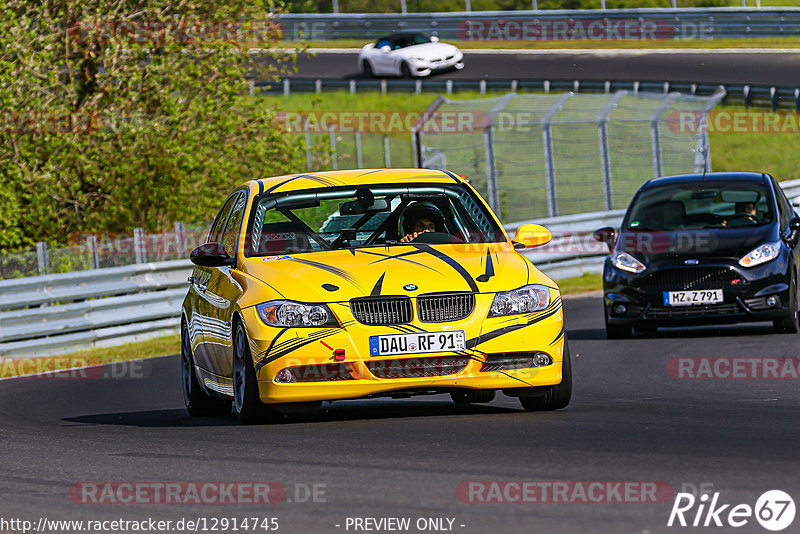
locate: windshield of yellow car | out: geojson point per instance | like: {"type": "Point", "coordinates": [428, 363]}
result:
{"type": "Point", "coordinates": [363, 216]}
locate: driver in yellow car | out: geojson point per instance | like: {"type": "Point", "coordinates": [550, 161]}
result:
{"type": "Point", "coordinates": [420, 218]}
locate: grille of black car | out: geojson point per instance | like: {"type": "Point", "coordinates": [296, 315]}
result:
{"type": "Point", "coordinates": [381, 310]}
{"type": "Point", "coordinates": [445, 307]}
{"type": "Point", "coordinates": [691, 312]}
{"type": "Point", "coordinates": [682, 279]}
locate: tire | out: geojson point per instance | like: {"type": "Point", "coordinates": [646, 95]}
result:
{"type": "Point", "coordinates": [554, 397]}
{"type": "Point", "coordinates": [247, 403]}
{"type": "Point", "coordinates": [472, 396]}
{"type": "Point", "coordinates": [366, 69]}
{"type": "Point", "coordinates": [197, 403]}
{"type": "Point", "coordinates": [789, 324]}
{"type": "Point", "coordinates": [405, 70]}
{"type": "Point", "coordinates": [617, 331]}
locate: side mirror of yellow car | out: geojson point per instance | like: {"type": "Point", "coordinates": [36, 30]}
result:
{"type": "Point", "coordinates": [531, 235]}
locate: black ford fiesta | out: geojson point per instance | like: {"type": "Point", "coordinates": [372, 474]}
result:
{"type": "Point", "coordinates": [703, 249]}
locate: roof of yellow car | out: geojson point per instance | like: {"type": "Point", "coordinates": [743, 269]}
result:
{"type": "Point", "coordinates": [313, 180]}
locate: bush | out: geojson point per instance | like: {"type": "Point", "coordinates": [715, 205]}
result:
{"type": "Point", "coordinates": [107, 130]}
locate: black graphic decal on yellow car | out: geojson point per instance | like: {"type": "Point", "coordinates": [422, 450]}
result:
{"type": "Point", "coordinates": [531, 318]}
{"type": "Point", "coordinates": [376, 290]}
{"type": "Point", "coordinates": [489, 268]}
{"type": "Point", "coordinates": [449, 261]}
{"type": "Point", "coordinates": [282, 349]}
{"type": "Point", "coordinates": [331, 269]}
{"type": "Point", "coordinates": [400, 257]}
{"type": "Point", "coordinates": [324, 180]}
{"type": "Point", "coordinates": [558, 337]}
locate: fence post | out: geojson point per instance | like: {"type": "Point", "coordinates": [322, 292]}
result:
{"type": "Point", "coordinates": [359, 160]}
{"type": "Point", "coordinates": [41, 257]}
{"type": "Point", "coordinates": [352, 87]}
{"type": "Point", "coordinates": [655, 133]}
{"type": "Point", "coordinates": [549, 164]}
{"type": "Point", "coordinates": [332, 141]}
{"type": "Point", "coordinates": [702, 158]}
{"type": "Point", "coordinates": [286, 87]}
{"type": "Point", "coordinates": [139, 245]}
{"type": "Point", "coordinates": [491, 169]}
{"type": "Point", "coordinates": [416, 133]}
{"type": "Point", "coordinates": [605, 158]}
{"type": "Point", "coordinates": [91, 244]}
{"type": "Point", "coordinates": [180, 238]}
{"type": "Point", "coordinates": [387, 156]}
{"type": "Point", "coordinates": [307, 136]}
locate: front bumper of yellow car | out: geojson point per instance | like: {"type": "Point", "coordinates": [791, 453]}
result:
{"type": "Point", "coordinates": [317, 364]}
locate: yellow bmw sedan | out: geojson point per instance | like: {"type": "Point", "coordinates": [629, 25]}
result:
{"type": "Point", "coordinates": [367, 283]}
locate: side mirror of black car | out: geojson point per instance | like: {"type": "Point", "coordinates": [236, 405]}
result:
{"type": "Point", "coordinates": [793, 232]}
{"type": "Point", "coordinates": [211, 255]}
{"type": "Point", "coordinates": [606, 235]}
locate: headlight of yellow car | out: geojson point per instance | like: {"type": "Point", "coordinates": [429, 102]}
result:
{"type": "Point", "coordinates": [526, 299]}
{"type": "Point", "coordinates": [295, 314]}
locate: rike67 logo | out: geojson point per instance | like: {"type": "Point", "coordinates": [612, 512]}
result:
{"type": "Point", "coordinates": [774, 510]}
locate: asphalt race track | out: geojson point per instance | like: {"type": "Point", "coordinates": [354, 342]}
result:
{"type": "Point", "coordinates": [741, 67]}
{"type": "Point", "coordinates": [628, 421]}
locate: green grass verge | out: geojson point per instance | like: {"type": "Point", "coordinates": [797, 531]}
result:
{"type": "Point", "coordinates": [756, 42]}
{"type": "Point", "coordinates": [576, 285]}
{"type": "Point", "coordinates": [151, 348]}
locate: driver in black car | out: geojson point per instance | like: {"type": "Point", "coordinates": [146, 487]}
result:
{"type": "Point", "coordinates": [419, 218]}
{"type": "Point", "coordinates": [743, 211]}
{"type": "Point", "coordinates": [746, 208]}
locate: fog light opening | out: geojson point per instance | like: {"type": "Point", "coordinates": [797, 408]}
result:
{"type": "Point", "coordinates": [541, 359]}
{"type": "Point", "coordinates": [285, 376]}
{"type": "Point", "coordinates": [772, 301]}
{"type": "Point", "coordinates": [620, 309]}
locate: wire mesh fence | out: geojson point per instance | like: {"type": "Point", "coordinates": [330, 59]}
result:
{"type": "Point", "coordinates": [536, 155]}
{"type": "Point", "coordinates": [96, 251]}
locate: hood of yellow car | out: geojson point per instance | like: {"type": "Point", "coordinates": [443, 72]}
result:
{"type": "Point", "coordinates": [340, 275]}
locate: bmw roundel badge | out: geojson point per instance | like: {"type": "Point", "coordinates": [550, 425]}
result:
{"type": "Point", "coordinates": [410, 287]}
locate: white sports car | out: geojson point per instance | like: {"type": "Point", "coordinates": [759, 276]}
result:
{"type": "Point", "coordinates": [408, 55]}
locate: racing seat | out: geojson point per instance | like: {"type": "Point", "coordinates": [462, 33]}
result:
{"type": "Point", "coordinates": [282, 237]}
{"type": "Point", "coordinates": [673, 214]}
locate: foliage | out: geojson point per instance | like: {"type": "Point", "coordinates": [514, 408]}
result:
{"type": "Point", "coordinates": [419, 6]}
{"type": "Point", "coordinates": [132, 113]}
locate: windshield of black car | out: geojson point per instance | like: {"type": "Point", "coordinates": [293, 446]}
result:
{"type": "Point", "coordinates": [701, 205]}
{"type": "Point", "coordinates": [362, 216]}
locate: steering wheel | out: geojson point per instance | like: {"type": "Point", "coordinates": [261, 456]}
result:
{"type": "Point", "coordinates": [748, 216]}
{"type": "Point", "coordinates": [436, 238]}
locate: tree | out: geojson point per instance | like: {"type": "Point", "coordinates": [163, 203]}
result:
{"type": "Point", "coordinates": [131, 113]}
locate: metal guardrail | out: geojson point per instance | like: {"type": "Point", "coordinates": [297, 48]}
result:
{"type": "Point", "coordinates": [749, 95]}
{"type": "Point", "coordinates": [60, 313]}
{"type": "Point", "coordinates": [588, 24]}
